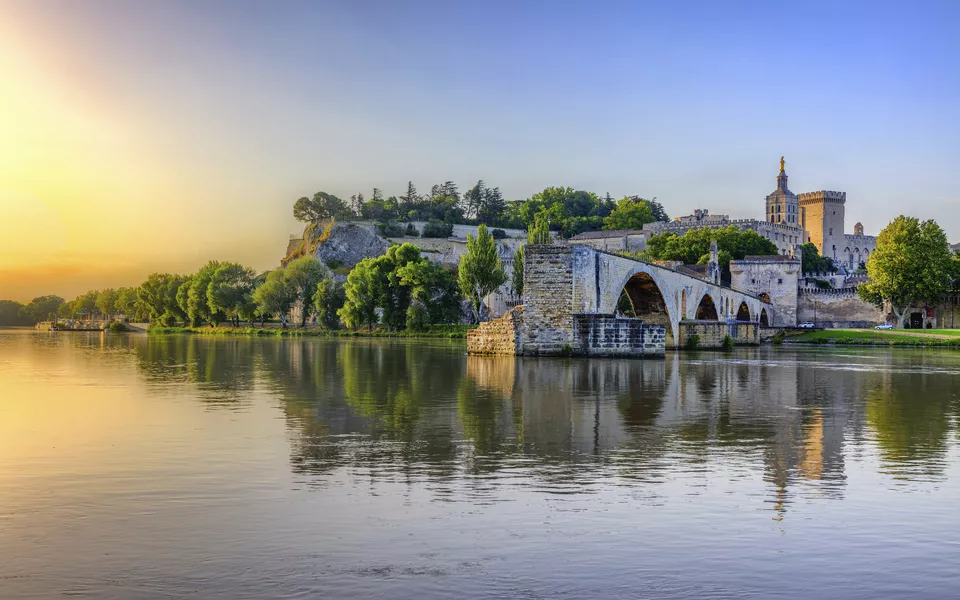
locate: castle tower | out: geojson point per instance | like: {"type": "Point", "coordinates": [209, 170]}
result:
{"type": "Point", "coordinates": [782, 204]}
{"type": "Point", "coordinates": [823, 222]}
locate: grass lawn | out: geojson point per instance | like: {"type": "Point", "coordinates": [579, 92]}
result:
{"type": "Point", "coordinates": [866, 337]}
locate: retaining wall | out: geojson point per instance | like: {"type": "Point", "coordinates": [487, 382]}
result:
{"type": "Point", "coordinates": [712, 333]}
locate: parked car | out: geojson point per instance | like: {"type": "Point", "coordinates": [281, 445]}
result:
{"type": "Point", "coordinates": [806, 325]}
{"type": "Point", "coordinates": [884, 326]}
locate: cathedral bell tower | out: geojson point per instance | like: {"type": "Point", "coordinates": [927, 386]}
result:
{"type": "Point", "coordinates": [782, 204]}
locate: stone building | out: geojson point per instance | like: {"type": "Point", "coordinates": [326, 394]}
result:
{"type": "Point", "coordinates": [773, 278]}
{"type": "Point", "coordinates": [790, 220]}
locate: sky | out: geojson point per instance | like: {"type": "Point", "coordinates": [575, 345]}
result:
{"type": "Point", "coordinates": [149, 136]}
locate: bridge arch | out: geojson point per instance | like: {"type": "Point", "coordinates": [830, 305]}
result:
{"type": "Point", "coordinates": [648, 302]}
{"type": "Point", "coordinates": [764, 320]}
{"type": "Point", "coordinates": [743, 313]}
{"type": "Point", "coordinates": [707, 309]}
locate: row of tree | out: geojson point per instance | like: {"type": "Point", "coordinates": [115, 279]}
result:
{"type": "Point", "coordinates": [400, 289]}
{"type": "Point", "coordinates": [568, 211]}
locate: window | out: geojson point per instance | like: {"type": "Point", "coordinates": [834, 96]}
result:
{"type": "Point", "coordinates": [831, 231]}
{"type": "Point", "coordinates": [780, 281]}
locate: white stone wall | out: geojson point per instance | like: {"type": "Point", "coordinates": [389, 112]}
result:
{"type": "Point", "coordinates": [776, 278]}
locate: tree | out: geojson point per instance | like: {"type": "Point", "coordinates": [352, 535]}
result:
{"type": "Point", "coordinates": [629, 214]}
{"type": "Point", "coordinates": [434, 293]}
{"type": "Point", "coordinates": [303, 275]}
{"type": "Point", "coordinates": [912, 265]}
{"type": "Point", "coordinates": [519, 264]}
{"type": "Point", "coordinates": [107, 302]}
{"type": "Point", "coordinates": [812, 262]}
{"type": "Point", "coordinates": [230, 291]}
{"type": "Point", "coordinates": [327, 300]}
{"type": "Point", "coordinates": [42, 308]}
{"type": "Point", "coordinates": [360, 307]}
{"type": "Point", "coordinates": [321, 206]}
{"type": "Point", "coordinates": [128, 304]}
{"type": "Point", "coordinates": [691, 247]}
{"type": "Point", "coordinates": [481, 271]}
{"type": "Point", "coordinates": [659, 214]}
{"type": "Point", "coordinates": [492, 207]}
{"type": "Point", "coordinates": [275, 296]}
{"type": "Point", "coordinates": [12, 314]}
{"type": "Point", "coordinates": [539, 231]}
{"type": "Point", "coordinates": [198, 306]}
{"type": "Point", "coordinates": [411, 197]}
{"type": "Point", "coordinates": [158, 296]}
{"type": "Point", "coordinates": [473, 199]}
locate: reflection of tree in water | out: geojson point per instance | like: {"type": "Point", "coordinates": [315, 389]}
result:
{"type": "Point", "coordinates": [910, 417]}
{"type": "Point", "coordinates": [222, 368]}
{"type": "Point", "coordinates": [374, 404]}
{"type": "Point", "coordinates": [426, 411]}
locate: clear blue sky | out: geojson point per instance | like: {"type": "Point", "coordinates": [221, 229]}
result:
{"type": "Point", "coordinates": [227, 111]}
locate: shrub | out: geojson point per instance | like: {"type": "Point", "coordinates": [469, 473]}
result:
{"type": "Point", "coordinates": [727, 343]}
{"type": "Point", "coordinates": [693, 342]}
{"type": "Point", "coordinates": [437, 229]}
{"type": "Point", "coordinates": [566, 350]}
{"type": "Point", "coordinates": [390, 229]}
{"type": "Point", "coordinates": [498, 234]}
{"type": "Point", "coordinates": [117, 327]}
{"type": "Point", "coordinates": [411, 230]}
{"type": "Point", "coordinates": [778, 337]}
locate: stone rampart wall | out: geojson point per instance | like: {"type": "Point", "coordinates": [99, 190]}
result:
{"type": "Point", "coordinates": [712, 333]}
{"type": "Point", "coordinates": [837, 309]}
{"type": "Point", "coordinates": [607, 335]}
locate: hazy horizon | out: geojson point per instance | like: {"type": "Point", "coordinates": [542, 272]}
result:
{"type": "Point", "coordinates": [155, 136]}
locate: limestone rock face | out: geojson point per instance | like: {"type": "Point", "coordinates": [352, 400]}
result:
{"type": "Point", "coordinates": [348, 243]}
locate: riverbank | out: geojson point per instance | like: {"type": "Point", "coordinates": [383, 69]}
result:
{"type": "Point", "coordinates": [457, 332]}
{"type": "Point", "coordinates": [875, 337]}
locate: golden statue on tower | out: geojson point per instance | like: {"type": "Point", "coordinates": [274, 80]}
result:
{"type": "Point", "coordinates": [782, 172]}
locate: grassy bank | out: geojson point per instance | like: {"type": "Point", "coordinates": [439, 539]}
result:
{"type": "Point", "coordinates": [870, 337]}
{"type": "Point", "coordinates": [434, 331]}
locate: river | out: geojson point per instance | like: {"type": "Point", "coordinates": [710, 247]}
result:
{"type": "Point", "coordinates": [212, 467]}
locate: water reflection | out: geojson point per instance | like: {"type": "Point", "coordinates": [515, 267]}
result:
{"type": "Point", "coordinates": [426, 412]}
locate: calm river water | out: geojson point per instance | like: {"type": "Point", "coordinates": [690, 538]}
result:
{"type": "Point", "coordinates": [193, 467]}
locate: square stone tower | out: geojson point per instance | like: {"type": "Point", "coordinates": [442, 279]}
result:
{"type": "Point", "coordinates": [822, 219]}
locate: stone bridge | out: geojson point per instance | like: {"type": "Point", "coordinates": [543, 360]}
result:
{"type": "Point", "coordinates": [571, 294]}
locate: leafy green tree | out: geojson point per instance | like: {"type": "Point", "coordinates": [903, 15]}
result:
{"type": "Point", "coordinates": [327, 300]}
{"type": "Point", "coordinates": [692, 246]}
{"type": "Point", "coordinates": [360, 307]}
{"type": "Point", "coordinates": [275, 296]}
{"type": "Point", "coordinates": [812, 262]}
{"type": "Point", "coordinates": [12, 313]}
{"type": "Point", "coordinates": [481, 270]}
{"type": "Point", "coordinates": [107, 302]}
{"type": "Point", "coordinates": [198, 305]}
{"type": "Point", "coordinates": [303, 275]}
{"type": "Point", "coordinates": [911, 266]}
{"type": "Point", "coordinates": [434, 293]}
{"type": "Point", "coordinates": [321, 206]}
{"type": "Point", "coordinates": [492, 208]}
{"type": "Point", "coordinates": [539, 231]}
{"type": "Point", "coordinates": [519, 264]}
{"type": "Point", "coordinates": [158, 296]}
{"type": "Point", "coordinates": [411, 198]}
{"type": "Point", "coordinates": [127, 303]}
{"type": "Point", "coordinates": [473, 199]}
{"type": "Point", "coordinates": [230, 291]}
{"type": "Point", "coordinates": [659, 214]}
{"type": "Point", "coordinates": [629, 214]}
